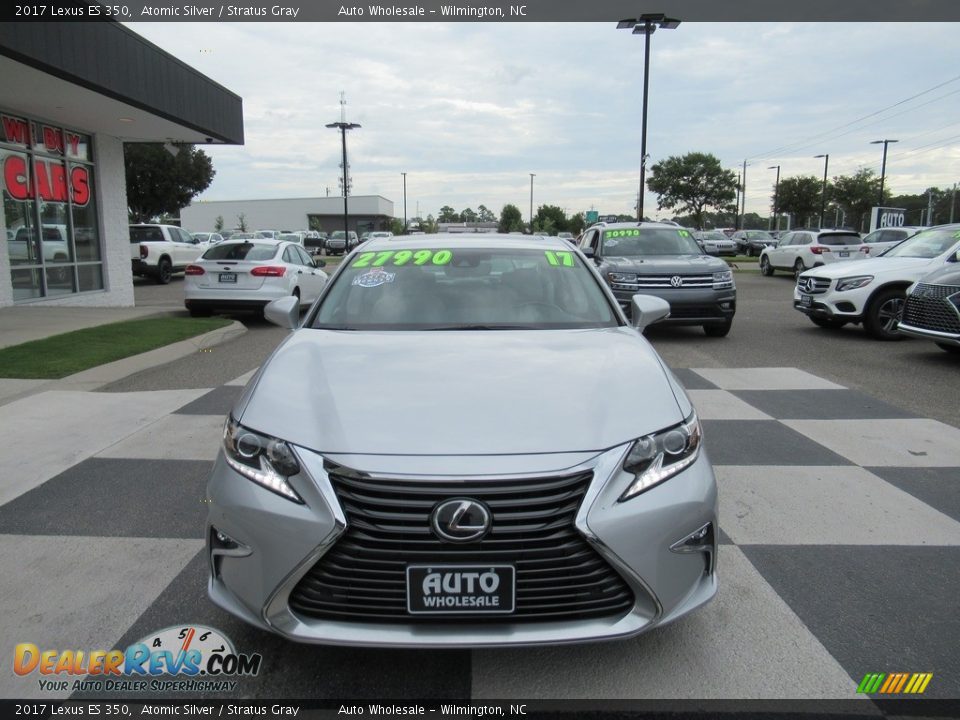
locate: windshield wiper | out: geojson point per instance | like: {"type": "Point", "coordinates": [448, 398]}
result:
{"type": "Point", "coordinates": [332, 327]}
{"type": "Point", "coordinates": [480, 326]}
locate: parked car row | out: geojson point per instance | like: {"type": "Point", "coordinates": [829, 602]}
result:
{"type": "Point", "coordinates": [911, 289]}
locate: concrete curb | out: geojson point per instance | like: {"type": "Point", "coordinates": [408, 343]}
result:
{"type": "Point", "coordinates": [101, 375]}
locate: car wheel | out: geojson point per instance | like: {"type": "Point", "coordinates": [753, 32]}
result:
{"type": "Point", "coordinates": [164, 272]}
{"type": "Point", "coordinates": [884, 313]}
{"type": "Point", "coordinates": [828, 322]}
{"type": "Point", "coordinates": [765, 267]}
{"type": "Point", "coordinates": [718, 330]}
{"type": "Point", "coordinates": [952, 349]}
{"type": "Point", "coordinates": [798, 267]}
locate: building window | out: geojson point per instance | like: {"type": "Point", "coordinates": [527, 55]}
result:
{"type": "Point", "coordinates": [49, 208]}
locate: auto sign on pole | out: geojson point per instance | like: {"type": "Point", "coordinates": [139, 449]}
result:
{"type": "Point", "coordinates": [882, 217]}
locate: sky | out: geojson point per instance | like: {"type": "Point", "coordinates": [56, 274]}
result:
{"type": "Point", "coordinates": [469, 110]}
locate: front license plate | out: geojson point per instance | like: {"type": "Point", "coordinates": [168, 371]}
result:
{"type": "Point", "coordinates": [806, 300]}
{"type": "Point", "coordinates": [844, 254]}
{"type": "Point", "coordinates": [228, 277]}
{"type": "Point", "coordinates": [460, 589]}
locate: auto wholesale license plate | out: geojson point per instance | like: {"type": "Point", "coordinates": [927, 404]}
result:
{"type": "Point", "coordinates": [806, 300]}
{"type": "Point", "coordinates": [228, 277]}
{"type": "Point", "coordinates": [460, 589]}
{"type": "Point", "coordinates": [844, 254]}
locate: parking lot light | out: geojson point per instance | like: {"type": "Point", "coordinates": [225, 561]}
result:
{"type": "Point", "coordinates": [646, 25]}
{"type": "Point", "coordinates": [883, 166]}
{"type": "Point", "coordinates": [776, 195]}
{"type": "Point", "coordinates": [823, 192]}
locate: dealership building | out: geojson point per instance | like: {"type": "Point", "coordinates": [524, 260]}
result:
{"type": "Point", "coordinates": [366, 213]}
{"type": "Point", "coordinates": [71, 95]}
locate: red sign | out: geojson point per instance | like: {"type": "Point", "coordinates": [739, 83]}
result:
{"type": "Point", "coordinates": [50, 181]}
{"type": "Point", "coordinates": [20, 132]}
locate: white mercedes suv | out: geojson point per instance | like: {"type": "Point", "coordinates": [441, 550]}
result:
{"type": "Point", "coordinates": [872, 291]}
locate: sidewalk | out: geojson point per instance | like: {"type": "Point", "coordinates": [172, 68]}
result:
{"type": "Point", "coordinates": [22, 324]}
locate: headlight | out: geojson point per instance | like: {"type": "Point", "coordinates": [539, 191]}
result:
{"type": "Point", "coordinates": [723, 280]}
{"type": "Point", "coordinates": [263, 459]}
{"type": "Point", "coordinates": [852, 283]}
{"type": "Point", "coordinates": [658, 457]}
{"type": "Point", "coordinates": [622, 277]}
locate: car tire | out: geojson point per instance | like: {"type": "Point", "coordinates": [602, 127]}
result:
{"type": "Point", "coordinates": [718, 331]}
{"type": "Point", "coordinates": [164, 272]}
{"type": "Point", "coordinates": [883, 313]}
{"type": "Point", "coordinates": [828, 322]}
{"type": "Point", "coordinates": [766, 268]}
{"type": "Point", "coordinates": [798, 267]}
{"type": "Point", "coordinates": [952, 349]}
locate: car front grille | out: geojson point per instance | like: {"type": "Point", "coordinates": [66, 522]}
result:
{"type": "Point", "coordinates": [668, 281]}
{"type": "Point", "coordinates": [820, 285]}
{"type": "Point", "coordinates": [928, 307]}
{"type": "Point", "coordinates": [694, 311]}
{"type": "Point", "coordinates": [559, 576]}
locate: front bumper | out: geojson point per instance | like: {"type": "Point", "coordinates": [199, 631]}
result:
{"type": "Point", "coordinates": [694, 306]}
{"type": "Point", "coordinates": [277, 542]}
{"type": "Point", "coordinates": [927, 334]}
{"type": "Point", "coordinates": [832, 305]}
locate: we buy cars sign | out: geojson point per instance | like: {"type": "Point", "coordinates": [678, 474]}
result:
{"type": "Point", "coordinates": [49, 180]}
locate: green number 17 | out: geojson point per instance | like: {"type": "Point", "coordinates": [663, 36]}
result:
{"type": "Point", "coordinates": [559, 257]}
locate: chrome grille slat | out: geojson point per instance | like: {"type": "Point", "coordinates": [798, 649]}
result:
{"type": "Point", "coordinates": [928, 307]}
{"type": "Point", "coordinates": [559, 576]}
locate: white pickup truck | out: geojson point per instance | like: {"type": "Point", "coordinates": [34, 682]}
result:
{"type": "Point", "coordinates": [159, 251]}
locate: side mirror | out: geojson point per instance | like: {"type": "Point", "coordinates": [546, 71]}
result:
{"type": "Point", "coordinates": [589, 252]}
{"type": "Point", "coordinates": [645, 310]}
{"type": "Point", "coordinates": [284, 312]}
{"type": "Point", "coordinates": [319, 263]}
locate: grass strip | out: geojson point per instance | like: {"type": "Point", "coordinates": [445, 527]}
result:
{"type": "Point", "coordinates": [61, 355]}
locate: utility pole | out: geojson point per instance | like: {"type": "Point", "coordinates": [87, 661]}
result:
{"type": "Point", "coordinates": [343, 126]}
{"type": "Point", "coordinates": [743, 198]}
{"type": "Point", "coordinates": [736, 215]}
{"type": "Point", "coordinates": [929, 207]}
{"type": "Point", "coordinates": [953, 201]}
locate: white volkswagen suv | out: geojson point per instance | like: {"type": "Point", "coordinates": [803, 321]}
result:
{"type": "Point", "coordinates": [872, 291]}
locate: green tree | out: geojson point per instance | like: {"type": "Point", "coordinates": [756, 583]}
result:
{"type": "Point", "coordinates": [577, 223]}
{"type": "Point", "coordinates": [550, 219]}
{"type": "Point", "coordinates": [856, 195]}
{"type": "Point", "coordinates": [218, 223]}
{"type": "Point", "coordinates": [396, 226]}
{"type": "Point", "coordinates": [242, 222]}
{"type": "Point", "coordinates": [429, 225]}
{"type": "Point", "coordinates": [800, 197]}
{"type": "Point", "coordinates": [468, 215]}
{"type": "Point", "coordinates": [510, 219]}
{"type": "Point", "coordinates": [159, 182]}
{"type": "Point", "coordinates": [692, 183]}
{"type": "Point", "coordinates": [448, 215]}
{"type": "Point", "coordinates": [484, 214]}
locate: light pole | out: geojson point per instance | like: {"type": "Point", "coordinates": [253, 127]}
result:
{"type": "Point", "coordinates": [883, 167]}
{"type": "Point", "coordinates": [532, 176]}
{"type": "Point", "coordinates": [776, 195]}
{"type": "Point", "coordinates": [343, 127]}
{"type": "Point", "coordinates": [743, 199]}
{"type": "Point", "coordinates": [736, 214]}
{"type": "Point", "coordinates": [823, 193]}
{"type": "Point", "coordinates": [404, 202]}
{"type": "Point", "coordinates": [646, 26]}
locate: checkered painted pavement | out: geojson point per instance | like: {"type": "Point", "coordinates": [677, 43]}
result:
{"type": "Point", "coordinates": [840, 519]}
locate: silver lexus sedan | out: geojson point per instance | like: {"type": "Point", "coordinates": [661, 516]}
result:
{"type": "Point", "coordinates": [463, 444]}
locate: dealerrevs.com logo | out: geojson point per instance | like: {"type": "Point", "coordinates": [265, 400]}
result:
{"type": "Point", "coordinates": [201, 658]}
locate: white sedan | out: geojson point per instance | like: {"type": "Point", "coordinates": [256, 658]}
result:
{"type": "Point", "coordinates": [248, 274]}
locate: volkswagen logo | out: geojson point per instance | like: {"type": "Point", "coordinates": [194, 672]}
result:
{"type": "Point", "coordinates": [676, 281]}
{"type": "Point", "coordinates": [460, 520]}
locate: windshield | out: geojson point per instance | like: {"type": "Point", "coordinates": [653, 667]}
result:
{"type": "Point", "coordinates": [241, 251]}
{"type": "Point", "coordinates": [757, 235]}
{"type": "Point", "coordinates": [926, 244]}
{"type": "Point", "coordinates": [465, 288]}
{"type": "Point", "coordinates": [630, 242]}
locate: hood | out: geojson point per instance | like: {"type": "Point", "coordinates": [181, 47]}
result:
{"type": "Point", "coordinates": [655, 264]}
{"type": "Point", "coordinates": [461, 392]}
{"type": "Point", "coordinates": [881, 267]}
{"type": "Point", "coordinates": [949, 274]}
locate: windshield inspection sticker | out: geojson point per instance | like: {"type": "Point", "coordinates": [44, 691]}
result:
{"type": "Point", "coordinates": [374, 277]}
{"type": "Point", "coordinates": [402, 257]}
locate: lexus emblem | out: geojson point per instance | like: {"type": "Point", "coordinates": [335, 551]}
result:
{"type": "Point", "coordinates": [676, 281]}
{"type": "Point", "coordinates": [460, 520]}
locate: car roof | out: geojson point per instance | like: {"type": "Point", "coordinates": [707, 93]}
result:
{"type": "Point", "coordinates": [447, 241]}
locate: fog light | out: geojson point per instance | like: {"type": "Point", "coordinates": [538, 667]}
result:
{"type": "Point", "coordinates": [725, 306]}
{"type": "Point", "coordinates": [699, 540]}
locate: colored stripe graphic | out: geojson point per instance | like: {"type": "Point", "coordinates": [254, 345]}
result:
{"type": "Point", "coordinates": [895, 683]}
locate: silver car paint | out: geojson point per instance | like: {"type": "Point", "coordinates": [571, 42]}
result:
{"type": "Point", "coordinates": [360, 399]}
